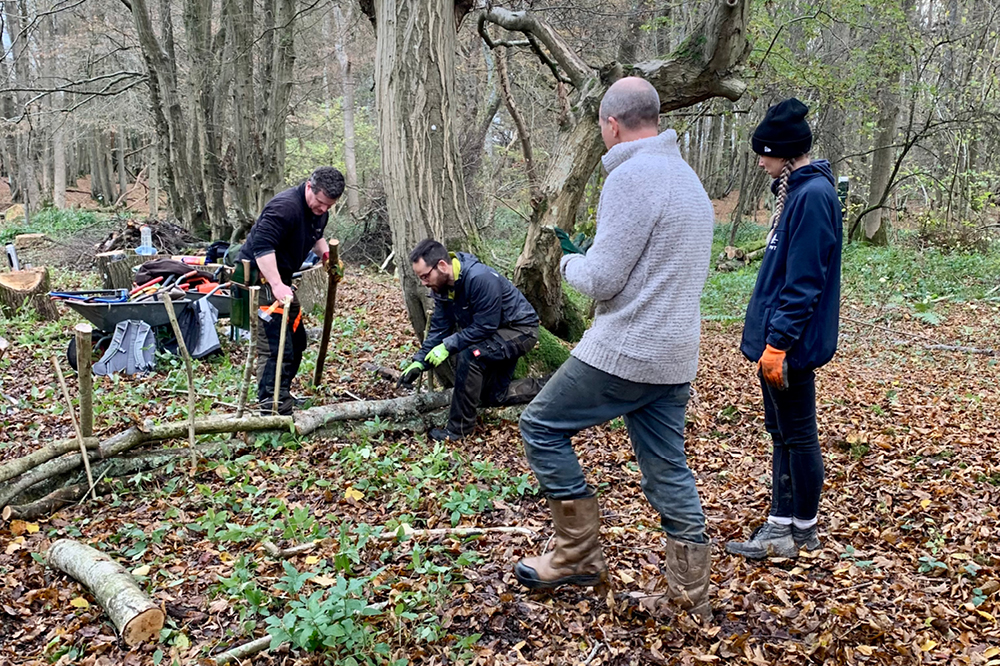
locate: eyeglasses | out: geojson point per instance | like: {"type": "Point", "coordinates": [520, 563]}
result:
{"type": "Point", "coordinates": [423, 278]}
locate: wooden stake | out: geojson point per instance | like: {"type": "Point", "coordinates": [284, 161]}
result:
{"type": "Point", "coordinates": [251, 350]}
{"type": "Point", "coordinates": [286, 305]}
{"type": "Point", "coordinates": [76, 426]}
{"type": "Point", "coordinates": [169, 305]}
{"type": "Point", "coordinates": [331, 302]}
{"type": "Point", "coordinates": [84, 358]}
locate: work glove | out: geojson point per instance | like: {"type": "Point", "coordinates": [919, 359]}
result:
{"type": "Point", "coordinates": [410, 373]}
{"type": "Point", "coordinates": [568, 246]}
{"type": "Point", "coordinates": [774, 367]}
{"type": "Point", "coordinates": [437, 355]}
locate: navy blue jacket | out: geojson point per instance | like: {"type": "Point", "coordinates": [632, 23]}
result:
{"type": "Point", "coordinates": [286, 227]}
{"type": "Point", "coordinates": [480, 302]}
{"type": "Point", "coordinates": [795, 305]}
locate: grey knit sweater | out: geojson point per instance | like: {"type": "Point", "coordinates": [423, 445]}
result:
{"type": "Point", "coordinates": [647, 266]}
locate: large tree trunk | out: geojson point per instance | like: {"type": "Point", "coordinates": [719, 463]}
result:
{"type": "Point", "coordinates": [172, 124]}
{"type": "Point", "coordinates": [703, 67]}
{"type": "Point", "coordinates": [421, 171]}
{"type": "Point", "coordinates": [279, 94]}
{"type": "Point", "coordinates": [14, 10]}
{"type": "Point", "coordinates": [347, 81]}
{"type": "Point", "coordinates": [59, 162]}
{"type": "Point", "coordinates": [242, 179]}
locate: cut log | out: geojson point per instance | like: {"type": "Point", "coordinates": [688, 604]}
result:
{"type": "Point", "coordinates": [115, 268]}
{"type": "Point", "coordinates": [135, 615]}
{"type": "Point", "coordinates": [27, 287]}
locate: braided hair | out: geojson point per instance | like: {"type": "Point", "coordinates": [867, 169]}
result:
{"type": "Point", "coordinates": [779, 202]}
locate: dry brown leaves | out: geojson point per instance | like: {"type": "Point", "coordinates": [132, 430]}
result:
{"type": "Point", "coordinates": [913, 471]}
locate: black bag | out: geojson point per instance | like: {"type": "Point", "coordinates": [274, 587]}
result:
{"type": "Point", "coordinates": [166, 268]}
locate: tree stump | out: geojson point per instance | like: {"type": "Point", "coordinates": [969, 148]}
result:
{"type": "Point", "coordinates": [311, 290]}
{"type": "Point", "coordinates": [31, 285]}
{"type": "Point", "coordinates": [33, 249]}
{"type": "Point", "coordinates": [115, 267]}
{"type": "Point", "coordinates": [135, 615]}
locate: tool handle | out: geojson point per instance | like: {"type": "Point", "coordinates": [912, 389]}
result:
{"type": "Point", "coordinates": [144, 286]}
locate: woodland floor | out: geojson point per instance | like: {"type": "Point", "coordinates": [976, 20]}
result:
{"type": "Point", "coordinates": [909, 516]}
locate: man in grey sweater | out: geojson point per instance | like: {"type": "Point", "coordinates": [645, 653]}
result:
{"type": "Point", "coordinates": [645, 270]}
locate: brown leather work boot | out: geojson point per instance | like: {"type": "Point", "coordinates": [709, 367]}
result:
{"type": "Point", "coordinates": [688, 569]}
{"type": "Point", "coordinates": [577, 558]}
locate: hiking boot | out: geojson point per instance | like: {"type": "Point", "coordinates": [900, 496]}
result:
{"type": "Point", "coordinates": [443, 435]}
{"type": "Point", "coordinates": [768, 540]}
{"type": "Point", "coordinates": [285, 406]}
{"type": "Point", "coordinates": [806, 539]}
{"type": "Point", "coordinates": [577, 557]}
{"type": "Point", "coordinates": [688, 569]}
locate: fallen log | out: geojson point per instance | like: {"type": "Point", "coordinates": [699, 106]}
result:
{"type": "Point", "coordinates": [52, 502]}
{"type": "Point", "coordinates": [304, 423]}
{"type": "Point", "coordinates": [19, 466]}
{"type": "Point", "coordinates": [314, 418]}
{"type": "Point", "coordinates": [134, 614]}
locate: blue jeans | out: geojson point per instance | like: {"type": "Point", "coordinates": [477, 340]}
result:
{"type": "Point", "coordinates": [797, 464]}
{"type": "Point", "coordinates": [580, 396]}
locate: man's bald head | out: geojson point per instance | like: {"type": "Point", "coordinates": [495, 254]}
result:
{"type": "Point", "coordinates": [633, 102]}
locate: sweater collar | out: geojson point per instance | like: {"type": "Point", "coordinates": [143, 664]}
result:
{"type": "Point", "coordinates": [662, 144]}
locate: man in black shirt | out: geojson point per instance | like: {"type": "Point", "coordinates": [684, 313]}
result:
{"type": "Point", "coordinates": [291, 224]}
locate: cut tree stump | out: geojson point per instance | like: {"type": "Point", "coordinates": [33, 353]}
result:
{"type": "Point", "coordinates": [311, 290]}
{"type": "Point", "coordinates": [135, 615]}
{"type": "Point", "coordinates": [115, 267]}
{"type": "Point", "coordinates": [33, 249]}
{"type": "Point", "coordinates": [28, 286]}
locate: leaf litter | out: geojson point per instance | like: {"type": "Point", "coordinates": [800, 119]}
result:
{"type": "Point", "coordinates": [907, 574]}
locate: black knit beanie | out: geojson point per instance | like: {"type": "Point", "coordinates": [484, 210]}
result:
{"type": "Point", "coordinates": [784, 131]}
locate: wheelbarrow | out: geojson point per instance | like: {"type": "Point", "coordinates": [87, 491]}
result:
{"type": "Point", "coordinates": [105, 308]}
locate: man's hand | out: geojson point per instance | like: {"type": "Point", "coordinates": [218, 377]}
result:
{"type": "Point", "coordinates": [410, 373]}
{"type": "Point", "coordinates": [280, 291]}
{"type": "Point", "coordinates": [437, 355]}
{"type": "Point", "coordinates": [774, 366]}
{"type": "Point", "coordinates": [568, 247]}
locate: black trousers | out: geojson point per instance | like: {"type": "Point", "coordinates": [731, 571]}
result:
{"type": "Point", "coordinates": [797, 464]}
{"type": "Point", "coordinates": [268, 337]}
{"type": "Point", "coordinates": [483, 377]}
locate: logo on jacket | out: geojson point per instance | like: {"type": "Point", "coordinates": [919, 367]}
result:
{"type": "Point", "coordinates": [774, 242]}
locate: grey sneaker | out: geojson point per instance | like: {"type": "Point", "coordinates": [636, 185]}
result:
{"type": "Point", "coordinates": [768, 540]}
{"type": "Point", "coordinates": [806, 539]}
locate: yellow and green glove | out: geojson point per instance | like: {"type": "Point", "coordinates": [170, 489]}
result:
{"type": "Point", "coordinates": [410, 373]}
{"type": "Point", "coordinates": [437, 356]}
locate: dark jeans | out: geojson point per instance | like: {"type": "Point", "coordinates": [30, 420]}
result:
{"type": "Point", "coordinates": [580, 396]}
{"type": "Point", "coordinates": [483, 377]}
{"type": "Point", "coordinates": [268, 337]}
{"type": "Point", "coordinates": [797, 465]}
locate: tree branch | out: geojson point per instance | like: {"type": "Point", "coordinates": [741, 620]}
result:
{"type": "Point", "coordinates": [578, 71]}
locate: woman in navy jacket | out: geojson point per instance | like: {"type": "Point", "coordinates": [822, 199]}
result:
{"type": "Point", "coordinates": [791, 325]}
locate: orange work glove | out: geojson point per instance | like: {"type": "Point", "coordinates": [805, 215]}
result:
{"type": "Point", "coordinates": [774, 367]}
